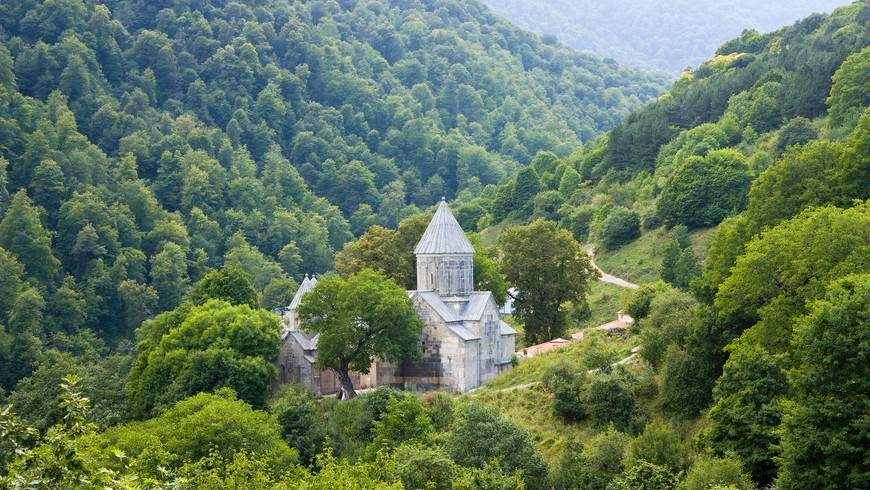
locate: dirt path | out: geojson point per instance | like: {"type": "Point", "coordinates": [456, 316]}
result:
{"type": "Point", "coordinates": [610, 278]}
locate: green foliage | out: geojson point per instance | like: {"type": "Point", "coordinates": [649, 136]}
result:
{"type": "Point", "coordinates": [203, 348]}
{"type": "Point", "coordinates": [682, 391]}
{"type": "Point", "coordinates": [704, 191]}
{"type": "Point", "coordinates": [365, 316]}
{"type": "Point", "coordinates": [278, 293]}
{"type": "Point", "coordinates": [805, 177]}
{"type": "Point", "coordinates": [644, 476]}
{"type": "Point", "coordinates": [798, 131]}
{"type": "Point", "coordinates": [404, 421]}
{"type": "Point", "coordinates": [487, 273]}
{"type": "Point", "coordinates": [197, 426]}
{"type": "Point", "coordinates": [660, 445]}
{"type": "Point", "coordinates": [829, 243]}
{"type": "Point", "coordinates": [439, 406]}
{"type": "Point", "coordinates": [849, 95]}
{"type": "Point", "coordinates": [714, 472]}
{"type": "Point", "coordinates": [680, 265]}
{"type": "Point", "coordinates": [609, 399]}
{"type": "Point", "coordinates": [481, 435]}
{"type": "Point", "coordinates": [638, 304]}
{"type": "Point", "coordinates": [348, 426]}
{"type": "Point", "coordinates": [418, 466]}
{"type": "Point", "coordinates": [340, 475]}
{"type": "Point", "coordinates": [620, 227]}
{"type": "Point", "coordinates": [60, 458]}
{"type": "Point", "coordinates": [229, 284]}
{"type": "Point", "coordinates": [667, 324]}
{"type": "Point", "coordinates": [747, 410]}
{"type": "Point", "coordinates": [824, 429]}
{"type": "Point", "coordinates": [594, 465]}
{"type": "Point", "coordinates": [37, 396]}
{"type": "Point", "coordinates": [299, 417]}
{"type": "Point", "coordinates": [22, 234]}
{"type": "Point", "coordinates": [548, 268]}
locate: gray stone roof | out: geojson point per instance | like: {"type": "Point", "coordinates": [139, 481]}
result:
{"type": "Point", "coordinates": [444, 235]}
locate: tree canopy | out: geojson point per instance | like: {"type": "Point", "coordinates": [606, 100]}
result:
{"type": "Point", "coordinates": [548, 268]}
{"type": "Point", "coordinates": [203, 348]}
{"type": "Point", "coordinates": [359, 319]}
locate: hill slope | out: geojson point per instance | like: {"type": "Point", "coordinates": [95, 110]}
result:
{"type": "Point", "coordinates": [665, 36]}
{"type": "Point", "coordinates": [150, 141]}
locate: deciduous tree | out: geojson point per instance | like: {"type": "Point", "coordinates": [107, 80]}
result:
{"type": "Point", "coordinates": [548, 268]}
{"type": "Point", "coordinates": [363, 317]}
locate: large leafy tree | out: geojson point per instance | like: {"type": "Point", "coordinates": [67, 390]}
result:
{"type": "Point", "coordinates": [849, 93]}
{"type": "Point", "coordinates": [548, 269]}
{"type": "Point", "coordinates": [787, 267]}
{"type": "Point", "coordinates": [202, 424]}
{"type": "Point", "coordinates": [826, 424]}
{"type": "Point", "coordinates": [704, 191]}
{"type": "Point", "coordinates": [747, 410]}
{"type": "Point", "coordinates": [202, 348]}
{"type": "Point", "coordinates": [359, 319]}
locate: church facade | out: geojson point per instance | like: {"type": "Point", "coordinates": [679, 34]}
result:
{"type": "Point", "coordinates": [464, 341]}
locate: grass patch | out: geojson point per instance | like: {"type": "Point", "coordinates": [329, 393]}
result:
{"type": "Point", "coordinates": [641, 260]}
{"type": "Point", "coordinates": [638, 261]}
{"type": "Point", "coordinates": [489, 235]}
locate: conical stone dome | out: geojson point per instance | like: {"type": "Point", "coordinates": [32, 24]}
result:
{"type": "Point", "coordinates": [444, 235]}
{"type": "Point", "coordinates": [445, 256]}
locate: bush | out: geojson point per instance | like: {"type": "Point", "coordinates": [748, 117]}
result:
{"type": "Point", "coordinates": [439, 406]}
{"type": "Point", "coordinates": [704, 191]}
{"type": "Point", "coordinates": [404, 421]}
{"type": "Point", "coordinates": [607, 398]}
{"type": "Point", "coordinates": [592, 466]}
{"type": "Point", "coordinates": [660, 445]}
{"type": "Point", "coordinates": [300, 421]}
{"type": "Point", "coordinates": [198, 426]}
{"type": "Point", "coordinates": [480, 435]}
{"type": "Point", "coordinates": [681, 393]}
{"type": "Point", "coordinates": [423, 467]}
{"type": "Point", "coordinates": [709, 472]}
{"type": "Point", "coordinates": [620, 227]}
{"type": "Point", "coordinates": [644, 476]}
{"type": "Point", "coordinates": [638, 303]}
{"type": "Point", "coordinates": [579, 221]}
{"type": "Point", "coordinates": [670, 312]}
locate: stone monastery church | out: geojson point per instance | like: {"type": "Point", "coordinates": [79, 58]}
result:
{"type": "Point", "coordinates": [465, 342]}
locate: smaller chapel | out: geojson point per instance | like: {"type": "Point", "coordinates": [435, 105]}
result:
{"type": "Point", "coordinates": [465, 342]}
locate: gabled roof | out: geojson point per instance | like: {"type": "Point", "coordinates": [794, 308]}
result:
{"type": "Point", "coordinates": [444, 235]}
{"type": "Point", "coordinates": [307, 285]}
{"type": "Point", "coordinates": [476, 305]}
{"type": "Point", "coordinates": [442, 309]}
{"type": "Point", "coordinates": [304, 341]}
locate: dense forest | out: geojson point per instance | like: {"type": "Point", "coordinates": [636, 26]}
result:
{"type": "Point", "coordinates": [654, 36]}
{"type": "Point", "coordinates": [169, 170]}
{"type": "Point", "coordinates": [145, 143]}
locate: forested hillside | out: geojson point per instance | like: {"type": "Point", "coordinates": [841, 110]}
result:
{"type": "Point", "coordinates": [168, 169]}
{"type": "Point", "coordinates": [144, 143]}
{"type": "Point", "coordinates": [752, 353]}
{"type": "Point", "coordinates": [667, 36]}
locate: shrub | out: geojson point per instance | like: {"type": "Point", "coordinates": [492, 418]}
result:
{"type": "Point", "coordinates": [620, 227]}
